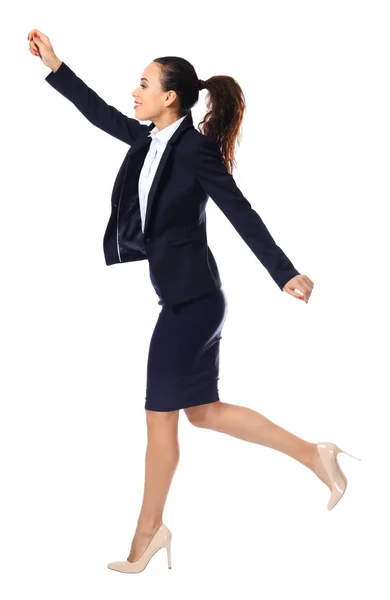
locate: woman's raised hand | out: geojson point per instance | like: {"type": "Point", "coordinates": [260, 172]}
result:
{"type": "Point", "coordinates": [40, 46]}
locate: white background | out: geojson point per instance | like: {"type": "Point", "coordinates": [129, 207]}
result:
{"type": "Point", "coordinates": [246, 520]}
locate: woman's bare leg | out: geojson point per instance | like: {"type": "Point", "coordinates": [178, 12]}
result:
{"type": "Point", "coordinates": [249, 425]}
{"type": "Point", "coordinates": [161, 460]}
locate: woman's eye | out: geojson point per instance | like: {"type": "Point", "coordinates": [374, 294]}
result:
{"type": "Point", "coordinates": [142, 85]}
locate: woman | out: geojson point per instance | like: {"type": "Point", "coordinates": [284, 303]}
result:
{"type": "Point", "coordinates": [172, 161]}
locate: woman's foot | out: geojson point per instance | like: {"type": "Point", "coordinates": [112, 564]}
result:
{"type": "Point", "coordinates": [141, 541]}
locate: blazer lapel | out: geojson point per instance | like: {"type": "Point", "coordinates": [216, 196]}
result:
{"type": "Point", "coordinates": [185, 124]}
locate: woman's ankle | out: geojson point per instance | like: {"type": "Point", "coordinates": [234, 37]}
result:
{"type": "Point", "coordinates": [148, 527]}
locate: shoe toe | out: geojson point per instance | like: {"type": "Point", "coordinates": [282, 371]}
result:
{"type": "Point", "coordinates": [120, 565]}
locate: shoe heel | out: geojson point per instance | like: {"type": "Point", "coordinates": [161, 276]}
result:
{"type": "Point", "coordinates": [347, 453]}
{"type": "Point", "coordinates": [328, 452]}
{"type": "Point", "coordinates": [168, 547]}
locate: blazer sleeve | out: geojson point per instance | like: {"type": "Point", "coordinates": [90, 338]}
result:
{"type": "Point", "coordinates": [220, 185]}
{"type": "Point", "coordinates": [98, 112]}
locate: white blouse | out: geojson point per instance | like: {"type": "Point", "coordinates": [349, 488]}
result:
{"type": "Point", "coordinates": [152, 159]}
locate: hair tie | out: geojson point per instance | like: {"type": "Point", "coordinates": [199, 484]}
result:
{"type": "Point", "coordinates": [202, 84]}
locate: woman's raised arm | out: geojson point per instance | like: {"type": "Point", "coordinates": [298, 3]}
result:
{"type": "Point", "coordinates": [94, 108]}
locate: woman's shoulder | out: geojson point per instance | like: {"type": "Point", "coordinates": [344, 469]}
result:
{"type": "Point", "coordinates": [197, 143]}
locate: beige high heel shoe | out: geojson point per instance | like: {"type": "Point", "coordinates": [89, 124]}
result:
{"type": "Point", "coordinates": [328, 453]}
{"type": "Point", "coordinates": [161, 539]}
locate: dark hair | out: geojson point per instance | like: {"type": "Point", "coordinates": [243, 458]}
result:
{"type": "Point", "coordinates": [225, 103]}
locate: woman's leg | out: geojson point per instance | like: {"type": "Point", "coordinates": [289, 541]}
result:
{"type": "Point", "coordinates": [249, 425]}
{"type": "Point", "coordinates": [161, 460]}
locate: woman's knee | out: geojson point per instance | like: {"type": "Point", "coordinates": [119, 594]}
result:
{"type": "Point", "coordinates": [159, 420]}
{"type": "Point", "coordinates": [200, 415]}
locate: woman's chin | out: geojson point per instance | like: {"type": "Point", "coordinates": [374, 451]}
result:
{"type": "Point", "coordinates": [140, 115]}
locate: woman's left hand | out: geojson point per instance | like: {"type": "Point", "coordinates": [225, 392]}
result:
{"type": "Point", "coordinates": [303, 284]}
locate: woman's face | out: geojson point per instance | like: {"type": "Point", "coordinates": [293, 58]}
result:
{"type": "Point", "coordinates": [153, 101]}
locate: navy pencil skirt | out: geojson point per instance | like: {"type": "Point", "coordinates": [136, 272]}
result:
{"type": "Point", "coordinates": [183, 358]}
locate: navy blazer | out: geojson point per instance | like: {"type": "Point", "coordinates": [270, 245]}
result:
{"type": "Point", "coordinates": [191, 169]}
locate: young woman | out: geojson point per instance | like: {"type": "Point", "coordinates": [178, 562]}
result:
{"type": "Point", "coordinates": [158, 214]}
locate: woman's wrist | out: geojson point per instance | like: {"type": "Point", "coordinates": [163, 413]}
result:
{"type": "Point", "coordinates": [56, 65]}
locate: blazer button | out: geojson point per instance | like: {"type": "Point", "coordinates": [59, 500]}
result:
{"type": "Point", "coordinates": [148, 239]}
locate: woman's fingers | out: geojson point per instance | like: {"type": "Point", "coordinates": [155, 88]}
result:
{"type": "Point", "coordinates": [294, 293]}
{"type": "Point", "coordinates": [31, 34]}
{"type": "Point", "coordinates": [309, 281]}
{"type": "Point", "coordinates": [41, 35]}
{"type": "Point", "coordinates": [302, 291]}
{"type": "Point", "coordinates": [306, 288]}
{"type": "Point", "coordinates": [33, 46]}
